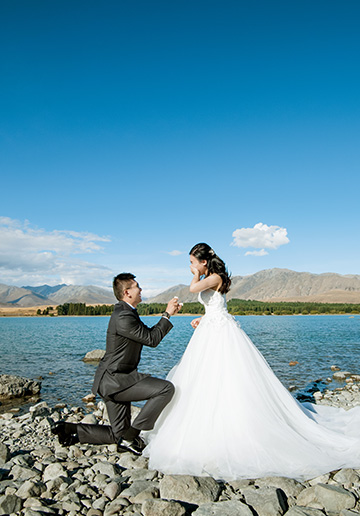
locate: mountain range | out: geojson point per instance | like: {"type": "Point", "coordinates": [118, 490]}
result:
{"type": "Point", "coordinates": [282, 285]}
{"type": "Point", "coordinates": [60, 294]}
{"type": "Point", "coordinates": [266, 285]}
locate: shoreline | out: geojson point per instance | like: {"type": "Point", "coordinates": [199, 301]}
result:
{"type": "Point", "coordinates": [38, 476]}
{"type": "Point", "coordinates": [27, 315]}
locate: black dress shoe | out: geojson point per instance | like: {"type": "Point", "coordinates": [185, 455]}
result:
{"type": "Point", "coordinates": [135, 446]}
{"type": "Point", "coordinates": [66, 433]}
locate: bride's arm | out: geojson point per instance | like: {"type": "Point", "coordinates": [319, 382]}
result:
{"type": "Point", "coordinates": [198, 285]}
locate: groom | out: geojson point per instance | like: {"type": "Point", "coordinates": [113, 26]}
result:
{"type": "Point", "coordinates": [117, 380]}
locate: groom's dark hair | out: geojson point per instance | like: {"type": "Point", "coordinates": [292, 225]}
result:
{"type": "Point", "coordinates": [122, 282]}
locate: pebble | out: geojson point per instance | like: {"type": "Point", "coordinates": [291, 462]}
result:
{"type": "Point", "coordinates": [39, 477]}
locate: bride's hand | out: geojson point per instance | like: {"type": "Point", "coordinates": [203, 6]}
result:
{"type": "Point", "coordinates": [195, 322]}
{"type": "Point", "coordinates": [194, 271]}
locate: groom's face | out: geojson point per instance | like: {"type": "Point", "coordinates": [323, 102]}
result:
{"type": "Point", "coordinates": [134, 293]}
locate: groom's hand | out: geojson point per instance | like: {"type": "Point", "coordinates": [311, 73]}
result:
{"type": "Point", "coordinates": [173, 306]}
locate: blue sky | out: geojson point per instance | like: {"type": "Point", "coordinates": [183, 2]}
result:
{"type": "Point", "coordinates": [131, 130]}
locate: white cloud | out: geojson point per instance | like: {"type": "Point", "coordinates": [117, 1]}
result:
{"type": "Point", "coordinates": [30, 255]}
{"type": "Point", "coordinates": [175, 252]}
{"type": "Point", "coordinates": [262, 252]}
{"type": "Point", "coordinates": [261, 236]}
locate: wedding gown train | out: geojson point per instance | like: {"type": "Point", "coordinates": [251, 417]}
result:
{"type": "Point", "coordinates": [231, 417]}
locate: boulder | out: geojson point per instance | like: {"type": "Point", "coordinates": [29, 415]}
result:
{"type": "Point", "coordinates": [94, 356]}
{"type": "Point", "coordinates": [347, 476]}
{"type": "Point", "coordinates": [186, 488]}
{"type": "Point", "coordinates": [341, 375]}
{"type": "Point", "coordinates": [10, 504]}
{"type": "Point", "coordinates": [266, 501]}
{"type": "Point", "coordinates": [53, 471]}
{"type": "Point", "coordinates": [290, 486]}
{"type": "Point", "coordinates": [332, 497]}
{"type": "Point", "coordinates": [17, 387]}
{"type": "Point", "coordinates": [162, 508]}
{"type": "Point", "coordinates": [132, 492]}
{"type": "Point", "coordinates": [39, 410]}
{"type": "Point", "coordinates": [4, 453]}
{"type": "Point", "coordinates": [227, 508]}
{"type": "Point", "coordinates": [106, 468]}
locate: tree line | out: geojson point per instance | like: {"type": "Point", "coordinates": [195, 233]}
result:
{"type": "Point", "coordinates": [235, 307]}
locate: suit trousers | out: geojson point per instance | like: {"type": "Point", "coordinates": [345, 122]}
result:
{"type": "Point", "coordinates": [158, 393]}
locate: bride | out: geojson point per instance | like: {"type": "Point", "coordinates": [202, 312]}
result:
{"type": "Point", "coordinates": [231, 417]}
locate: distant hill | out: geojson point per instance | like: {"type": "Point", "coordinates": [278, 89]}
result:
{"type": "Point", "coordinates": [281, 285]}
{"type": "Point", "coordinates": [17, 296]}
{"type": "Point", "coordinates": [59, 294]}
{"type": "Point", "coordinates": [45, 290]}
{"type": "Point", "coordinates": [79, 294]}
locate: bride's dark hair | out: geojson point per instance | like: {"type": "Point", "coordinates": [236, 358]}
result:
{"type": "Point", "coordinates": [214, 264]}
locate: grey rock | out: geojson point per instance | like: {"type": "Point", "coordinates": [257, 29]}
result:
{"type": "Point", "coordinates": [112, 490]}
{"type": "Point", "coordinates": [53, 471]}
{"type": "Point", "coordinates": [140, 474]}
{"type": "Point", "coordinates": [290, 486]}
{"type": "Point", "coordinates": [304, 511]}
{"type": "Point", "coordinates": [228, 508]}
{"type": "Point", "coordinates": [42, 452]}
{"type": "Point", "coordinates": [307, 496]}
{"type": "Point", "coordinates": [94, 356]}
{"type": "Point", "coordinates": [29, 489]}
{"type": "Point", "coordinates": [106, 468]}
{"type": "Point", "coordinates": [54, 485]}
{"type": "Point", "coordinates": [4, 453]}
{"type": "Point", "coordinates": [39, 410]}
{"type": "Point", "coordinates": [148, 494]}
{"type": "Point", "coordinates": [17, 387]}
{"type": "Point", "coordinates": [21, 473]}
{"type": "Point", "coordinates": [322, 479]}
{"type": "Point", "coordinates": [138, 487]}
{"type": "Point", "coordinates": [89, 419]}
{"type": "Point", "coordinates": [162, 508]}
{"type": "Point", "coordinates": [346, 476]}
{"type": "Point", "coordinates": [86, 491]}
{"type": "Point", "coordinates": [347, 512]}
{"type": "Point", "coordinates": [94, 512]}
{"type": "Point", "coordinates": [10, 504]}
{"type": "Point", "coordinates": [341, 375]}
{"type": "Point", "coordinates": [332, 497]}
{"type": "Point", "coordinates": [33, 512]}
{"type": "Point", "coordinates": [100, 503]}
{"type": "Point", "coordinates": [115, 506]}
{"type": "Point", "coordinates": [129, 461]}
{"type": "Point", "coordinates": [38, 505]}
{"type": "Point", "coordinates": [196, 490]}
{"type": "Point", "coordinates": [267, 501]}
{"type": "Point", "coordinates": [238, 485]}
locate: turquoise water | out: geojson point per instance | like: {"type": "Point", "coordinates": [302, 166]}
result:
{"type": "Point", "coordinates": [34, 347]}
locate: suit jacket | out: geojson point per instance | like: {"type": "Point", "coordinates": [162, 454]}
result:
{"type": "Point", "coordinates": [126, 335]}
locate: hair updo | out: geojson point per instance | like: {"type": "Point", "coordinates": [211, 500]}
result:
{"type": "Point", "coordinates": [214, 264]}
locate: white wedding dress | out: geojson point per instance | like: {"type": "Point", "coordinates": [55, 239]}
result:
{"type": "Point", "coordinates": [231, 417]}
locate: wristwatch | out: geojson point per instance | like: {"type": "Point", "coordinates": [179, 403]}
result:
{"type": "Point", "coordinates": [166, 314]}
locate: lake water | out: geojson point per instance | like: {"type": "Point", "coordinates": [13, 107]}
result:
{"type": "Point", "coordinates": [33, 347]}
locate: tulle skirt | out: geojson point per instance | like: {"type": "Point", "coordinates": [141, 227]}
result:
{"type": "Point", "coordinates": [231, 418]}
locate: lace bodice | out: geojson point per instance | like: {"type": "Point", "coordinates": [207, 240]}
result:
{"type": "Point", "coordinates": [213, 301]}
{"type": "Point", "coordinates": [215, 306]}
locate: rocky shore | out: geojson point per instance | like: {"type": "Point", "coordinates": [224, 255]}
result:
{"type": "Point", "coordinates": [39, 477]}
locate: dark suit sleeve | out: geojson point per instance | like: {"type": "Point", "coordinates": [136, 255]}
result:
{"type": "Point", "coordinates": [131, 327]}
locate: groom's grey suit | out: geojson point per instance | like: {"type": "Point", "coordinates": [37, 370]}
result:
{"type": "Point", "coordinates": [118, 382]}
